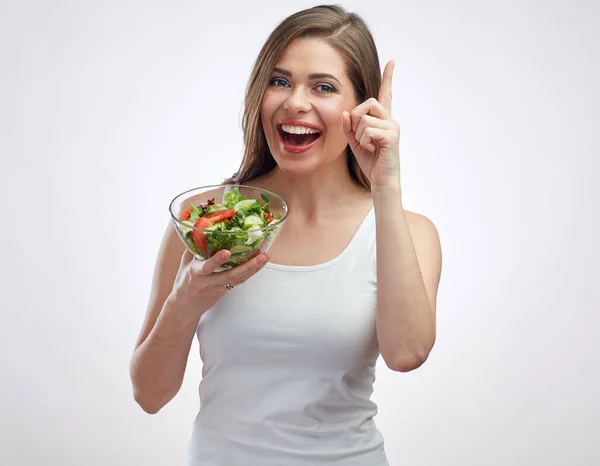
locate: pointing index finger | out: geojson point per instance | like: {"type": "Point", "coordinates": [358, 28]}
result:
{"type": "Point", "coordinates": [385, 91]}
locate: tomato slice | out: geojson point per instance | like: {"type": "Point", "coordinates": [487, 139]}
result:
{"type": "Point", "coordinates": [186, 214]}
{"type": "Point", "coordinates": [268, 216]}
{"type": "Point", "coordinates": [217, 217]}
{"type": "Point", "coordinates": [198, 236]}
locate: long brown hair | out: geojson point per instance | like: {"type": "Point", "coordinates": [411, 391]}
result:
{"type": "Point", "coordinates": [350, 36]}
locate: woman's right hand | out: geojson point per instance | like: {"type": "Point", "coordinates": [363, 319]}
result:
{"type": "Point", "coordinates": [198, 287]}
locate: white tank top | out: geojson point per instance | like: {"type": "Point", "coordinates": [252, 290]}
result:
{"type": "Point", "coordinates": [289, 365]}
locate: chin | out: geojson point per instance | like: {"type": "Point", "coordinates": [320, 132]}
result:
{"type": "Point", "coordinates": [296, 167]}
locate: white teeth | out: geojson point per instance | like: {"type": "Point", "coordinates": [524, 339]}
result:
{"type": "Point", "coordinates": [298, 129]}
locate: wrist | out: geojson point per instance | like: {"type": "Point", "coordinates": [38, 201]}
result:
{"type": "Point", "coordinates": [185, 315]}
{"type": "Point", "coordinates": [388, 190]}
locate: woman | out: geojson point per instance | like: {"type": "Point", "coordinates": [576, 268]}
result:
{"type": "Point", "coordinates": [289, 353]}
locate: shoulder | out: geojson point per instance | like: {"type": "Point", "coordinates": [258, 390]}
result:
{"type": "Point", "coordinates": [419, 223]}
{"type": "Point", "coordinates": [426, 238]}
{"type": "Point", "coordinates": [426, 242]}
{"type": "Point", "coordinates": [422, 229]}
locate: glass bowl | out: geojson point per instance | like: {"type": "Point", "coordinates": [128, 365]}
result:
{"type": "Point", "coordinates": [242, 219]}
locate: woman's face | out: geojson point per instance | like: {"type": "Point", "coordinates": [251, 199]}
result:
{"type": "Point", "coordinates": [301, 111]}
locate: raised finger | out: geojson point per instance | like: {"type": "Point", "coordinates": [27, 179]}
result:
{"type": "Point", "coordinates": [385, 91]}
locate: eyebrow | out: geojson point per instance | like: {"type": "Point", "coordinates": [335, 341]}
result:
{"type": "Point", "coordinates": [311, 76]}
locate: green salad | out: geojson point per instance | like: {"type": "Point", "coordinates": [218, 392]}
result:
{"type": "Point", "coordinates": [234, 225]}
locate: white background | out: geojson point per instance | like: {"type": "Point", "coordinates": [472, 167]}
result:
{"type": "Point", "coordinates": [109, 109]}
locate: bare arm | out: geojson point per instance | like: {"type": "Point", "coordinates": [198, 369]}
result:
{"type": "Point", "coordinates": [182, 290]}
{"type": "Point", "coordinates": [158, 363]}
{"type": "Point", "coordinates": [160, 356]}
{"type": "Point", "coordinates": [408, 273]}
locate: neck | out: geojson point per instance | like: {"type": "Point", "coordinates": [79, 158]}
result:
{"type": "Point", "coordinates": [317, 194]}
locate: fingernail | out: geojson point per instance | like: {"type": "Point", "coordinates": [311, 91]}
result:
{"type": "Point", "coordinates": [224, 254]}
{"type": "Point", "coordinates": [262, 259]}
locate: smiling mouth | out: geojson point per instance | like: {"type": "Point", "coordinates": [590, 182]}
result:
{"type": "Point", "coordinates": [298, 140]}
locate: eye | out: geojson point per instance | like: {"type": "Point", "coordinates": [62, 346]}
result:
{"type": "Point", "coordinates": [278, 82]}
{"type": "Point", "coordinates": [326, 88]}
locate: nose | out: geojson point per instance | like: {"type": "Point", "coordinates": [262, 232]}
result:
{"type": "Point", "coordinates": [298, 101]}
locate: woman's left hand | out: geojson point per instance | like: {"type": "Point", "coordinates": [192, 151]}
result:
{"type": "Point", "coordinates": [374, 136]}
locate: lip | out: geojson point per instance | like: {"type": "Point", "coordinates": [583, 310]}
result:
{"type": "Point", "coordinates": [305, 124]}
{"type": "Point", "coordinates": [296, 149]}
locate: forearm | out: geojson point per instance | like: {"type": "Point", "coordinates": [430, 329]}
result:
{"type": "Point", "coordinates": [158, 364]}
{"type": "Point", "coordinates": [405, 322]}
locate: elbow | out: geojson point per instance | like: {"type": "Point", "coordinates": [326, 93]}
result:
{"type": "Point", "coordinates": [146, 393]}
{"type": "Point", "coordinates": [152, 399]}
{"type": "Point", "coordinates": [407, 362]}
{"type": "Point", "coordinates": [150, 409]}
{"type": "Point", "coordinates": [148, 405]}
{"type": "Point", "coordinates": [147, 397]}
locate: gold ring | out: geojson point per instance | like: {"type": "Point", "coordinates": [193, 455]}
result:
{"type": "Point", "coordinates": [228, 286]}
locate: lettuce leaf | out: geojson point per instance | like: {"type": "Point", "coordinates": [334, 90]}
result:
{"type": "Point", "coordinates": [238, 219]}
{"type": "Point", "coordinates": [217, 241]}
{"type": "Point", "coordinates": [196, 213]}
{"type": "Point", "coordinates": [232, 198]}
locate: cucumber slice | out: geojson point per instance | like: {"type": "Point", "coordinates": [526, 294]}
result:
{"type": "Point", "coordinates": [211, 209]}
{"type": "Point", "coordinates": [246, 204]}
{"type": "Point", "coordinates": [252, 220]}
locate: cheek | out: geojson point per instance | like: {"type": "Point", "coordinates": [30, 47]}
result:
{"type": "Point", "coordinates": [269, 104]}
{"type": "Point", "coordinates": [330, 111]}
{"type": "Point", "coordinates": [266, 114]}
{"type": "Point", "coordinates": [331, 115]}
